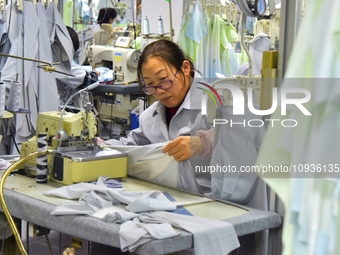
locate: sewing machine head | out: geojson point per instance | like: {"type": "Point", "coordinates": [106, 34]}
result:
{"type": "Point", "coordinates": [78, 157]}
{"type": "Point", "coordinates": [80, 128]}
{"type": "Point", "coordinates": [122, 61]}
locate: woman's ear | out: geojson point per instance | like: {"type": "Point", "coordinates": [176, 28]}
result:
{"type": "Point", "coordinates": [186, 67]}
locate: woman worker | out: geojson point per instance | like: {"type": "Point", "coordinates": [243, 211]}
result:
{"type": "Point", "coordinates": [166, 73]}
{"type": "Point", "coordinates": [106, 17]}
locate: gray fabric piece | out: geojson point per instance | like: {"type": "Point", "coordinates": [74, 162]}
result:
{"type": "Point", "coordinates": [101, 196]}
{"type": "Point", "coordinates": [120, 217]}
{"type": "Point", "coordinates": [72, 208]}
{"type": "Point", "coordinates": [111, 183]}
{"type": "Point", "coordinates": [132, 235]}
{"type": "Point", "coordinates": [210, 236]}
{"type": "Point", "coordinates": [94, 199]}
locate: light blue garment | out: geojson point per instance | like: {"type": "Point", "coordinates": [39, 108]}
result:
{"type": "Point", "coordinates": [197, 28]}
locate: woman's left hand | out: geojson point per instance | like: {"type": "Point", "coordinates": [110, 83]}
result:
{"type": "Point", "coordinates": [184, 147]}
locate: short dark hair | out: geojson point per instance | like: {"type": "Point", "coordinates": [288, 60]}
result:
{"type": "Point", "coordinates": [168, 51]}
{"type": "Point", "coordinates": [105, 14]}
{"type": "Point", "coordinates": [74, 37]}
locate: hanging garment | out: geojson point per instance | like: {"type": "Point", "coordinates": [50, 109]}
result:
{"type": "Point", "coordinates": [46, 81]}
{"type": "Point", "coordinates": [187, 45]}
{"type": "Point", "coordinates": [5, 44]}
{"type": "Point", "coordinates": [16, 66]}
{"type": "Point", "coordinates": [62, 47]}
{"type": "Point", "coordinates": [30, 84]}
{"type": "Point", "coordinates": [259, 44]}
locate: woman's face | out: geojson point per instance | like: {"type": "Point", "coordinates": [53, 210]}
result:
{"type": "Point", "coordinates": [155, 70]}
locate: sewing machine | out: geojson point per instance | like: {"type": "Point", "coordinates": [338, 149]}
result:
{"type": "Point", "coordinates": [123, 61]}
{"type": "Point", "coordinates": [78, 158]}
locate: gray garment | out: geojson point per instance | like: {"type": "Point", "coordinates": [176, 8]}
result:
{"type": "Point", "coordinates": [30, 83]}
{"type": "Point", "coordinates": [46, 80]}
{"type": "Point", "coordinates": [62, 46]}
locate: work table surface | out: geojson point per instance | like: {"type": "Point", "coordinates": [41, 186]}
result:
{"type": "Point", "coordinates": [26, 201]}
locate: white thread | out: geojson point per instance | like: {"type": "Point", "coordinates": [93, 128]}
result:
{"type": "Point", "coordinates": [14, 96]}
{"type": "Point", "coordinates": [2, 99]}
{"type": "Point", "coordinates": [160, 26]}
{"type": "Point", "coordinates": [146, 26]}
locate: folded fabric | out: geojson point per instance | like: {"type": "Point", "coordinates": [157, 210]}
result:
{"type": "Point", "coordinates": [135, 233]}
{"type": "Point", "coordinates": [120, 217]}
{"type": "Point", "coordinates": [210, 236]}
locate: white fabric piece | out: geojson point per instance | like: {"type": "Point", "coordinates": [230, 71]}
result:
{"type": "Point", "coordinates": [4, 164]}
{"type": "Point", "coordinates": [149, 163]}
{"type": "Point", "coordinates": [211, 237]}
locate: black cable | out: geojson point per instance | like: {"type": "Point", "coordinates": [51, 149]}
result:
{"type": "Point", "coordinates": [12, 135]}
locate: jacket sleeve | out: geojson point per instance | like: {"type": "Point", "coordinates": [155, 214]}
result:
{"type": "Point", "coordinates": [207, 140]}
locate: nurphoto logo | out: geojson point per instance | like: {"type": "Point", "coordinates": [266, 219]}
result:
{"type": "Point", "coordinates": [238, 104]}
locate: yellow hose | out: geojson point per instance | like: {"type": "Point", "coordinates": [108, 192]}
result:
{"type": "Point", "coordinates": [2, 197]}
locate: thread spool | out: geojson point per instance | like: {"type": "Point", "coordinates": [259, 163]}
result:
{"type": "Point", "coordinates": [42, 160]}
{"type": "Point", "coordinates": [2, 99]}
{"type": "Point", "coordinates": [146, 26]}
{"type": "Point", "coordinates": [160, 26]}
{"type": "Point", "coordinates": [14, 96]}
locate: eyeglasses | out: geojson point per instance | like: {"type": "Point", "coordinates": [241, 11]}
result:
{"type": "Point", "coordinates": [164, 85]}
